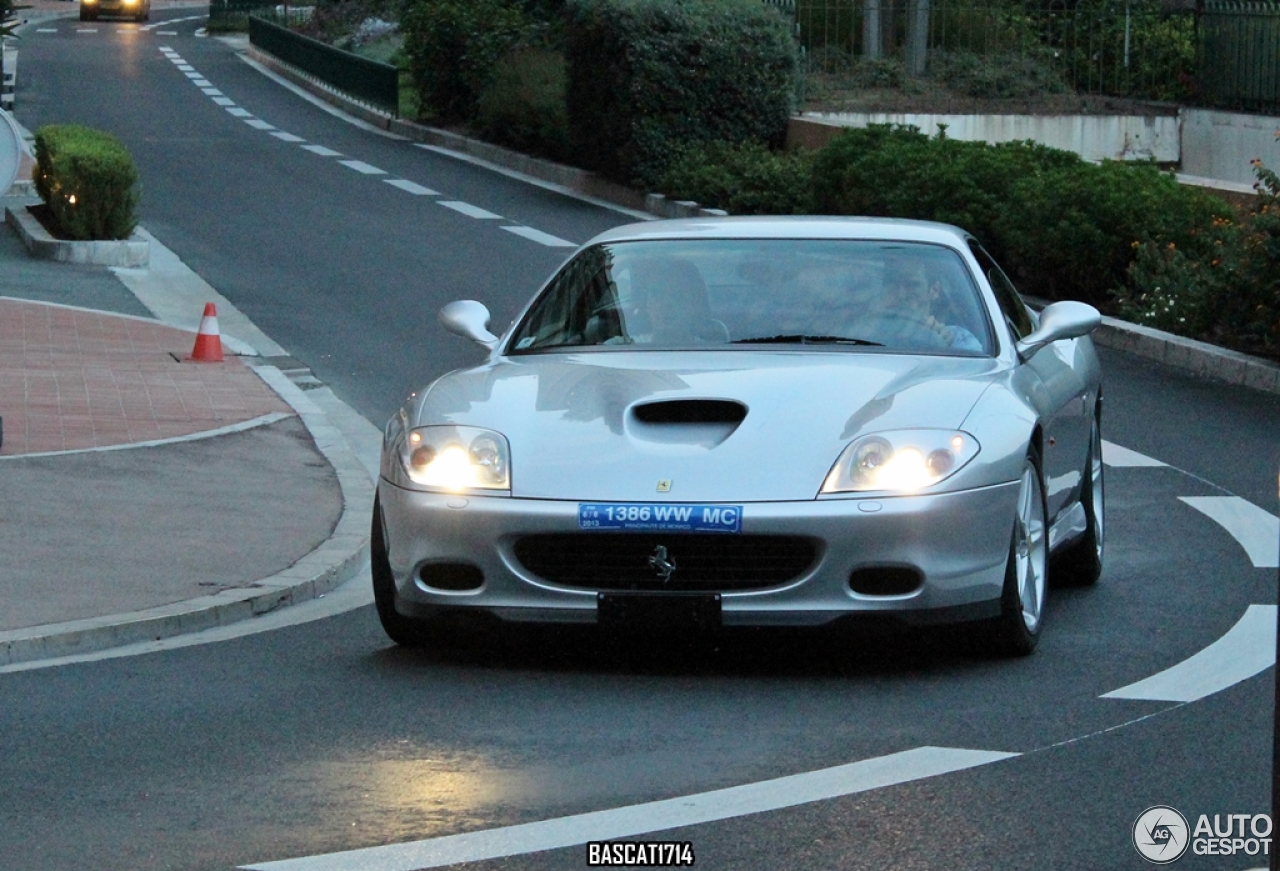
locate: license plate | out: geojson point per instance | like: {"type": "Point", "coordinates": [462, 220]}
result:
{"type": "Point", "coordinates": [665, 517]}
{"type": "Point", "coordinates": [659, 610]}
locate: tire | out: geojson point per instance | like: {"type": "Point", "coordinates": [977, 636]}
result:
{"type": "Point", "coordinates": [1080, 563]}
{"type": "Point", "coordinates": [1017, 630]}
{"type": "Point", "coordinates": [403, 630]}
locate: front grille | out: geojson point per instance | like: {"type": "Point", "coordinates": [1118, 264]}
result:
{"type": "Point", "coordinates": [703, 562]}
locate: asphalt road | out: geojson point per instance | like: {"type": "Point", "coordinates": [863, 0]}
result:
{"type": "Point", "coordinates": [324, 737]}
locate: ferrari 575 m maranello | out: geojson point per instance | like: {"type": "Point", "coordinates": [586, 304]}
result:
{"type": "Point", "coordinates": [752, 422]}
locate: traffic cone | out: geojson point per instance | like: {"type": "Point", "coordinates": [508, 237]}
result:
{"type": "Point", "coordinates": [208, 347]}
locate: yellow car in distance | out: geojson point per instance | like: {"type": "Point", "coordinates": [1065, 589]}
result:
{"type": "Point", "coordinates": [138, 10]}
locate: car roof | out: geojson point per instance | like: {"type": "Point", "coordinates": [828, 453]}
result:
{"type": "Point", "coordinates": [788, 227]}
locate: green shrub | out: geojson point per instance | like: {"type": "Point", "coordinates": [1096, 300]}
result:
{"type": "Point", "coordinates": [1223, 287]}
{"type": "Point", "coordinates": [742, 178]}
{"type": "Point", "coordinates": [1070, 231]}
{"type": "Point", "coordinates": [453, 47]}
{"type": "Point", "coordinates": [647, 77]}
{"type": "Point", "coordinates": [88, 181]}
{"type": "Point", "coordinates": [524, 103]}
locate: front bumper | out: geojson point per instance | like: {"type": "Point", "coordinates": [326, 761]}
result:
{"type": "Point", "coordinates": [957, 542]}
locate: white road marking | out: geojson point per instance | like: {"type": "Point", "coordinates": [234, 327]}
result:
{"type": "Point", "coordinates": [166, 33]}
{"type": "Point", "coordinates": [224, 101]}
{"type": "Point", "coordinates": [361, 167]}
{"type": "Point", "coordinates": [1257, 531]}
{"type": "Point", "coordinates": [469, 210]}
{"type": "Point", "coordinates": [86, 30]}
{"type": "Point", "coordinates": [541, 237]}
{"type": "Point", "coordinates": [201, 33]}
{"type": "Point", "coordinates": [1248, 648]}
{"type": "Point", "coordinates": [262, 420]}
{"type": "Point", "coordinates": [259, 124]}
{"type": "Point", "coordinates": [624, 822]}
{"type": "Point", "coordinates": [322, 151]}
{"type": "Point", "coordinates": [287, 137]}
{"type": "Point", "coordinates": [212, 92]}
{"type": "Point", "coordinates": [46, 30]}
{"type": "Point", "coordinates": [411, 187]}
{"type": "Point", "coordinates": [185, 67]}
{"type": "Point", "coordinates": [239, 112]}
{"type": "Point", "coordinates": [202, 83]}
{"type": "Point", "coordinates": [1114, 455]}
{"type": "Point", "coordinates": [194, 75]}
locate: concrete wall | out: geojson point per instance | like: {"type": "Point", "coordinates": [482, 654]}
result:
{"type": "Point", "coordinates": [1220, 145]}
{"type": "Point", "coordinates": [1095, 137]}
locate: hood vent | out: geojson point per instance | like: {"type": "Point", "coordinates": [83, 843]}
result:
{"type": "Point", "coordinates": [702, 423]}
{"type": "Point", "coordinates": [718, 411]}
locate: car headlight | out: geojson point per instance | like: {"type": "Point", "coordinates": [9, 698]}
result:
{"type": "Point", "coordinates": [901, 461]}
{"type": "Point", "coordinates": [456, 458]}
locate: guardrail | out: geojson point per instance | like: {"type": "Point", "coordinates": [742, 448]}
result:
{"type": "Point", "coordinates": [365, 80]}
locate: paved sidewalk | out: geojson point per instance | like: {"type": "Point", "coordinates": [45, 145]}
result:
{"type": "Point", "coordinates": [144, 495]}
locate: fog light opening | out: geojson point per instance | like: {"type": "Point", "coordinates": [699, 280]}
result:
{"type": "Point", "coordinates": [451, 577]}
{"type": "Point", "coordinates": [885, 580]}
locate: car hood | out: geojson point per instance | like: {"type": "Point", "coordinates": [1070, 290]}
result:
{"type": "Point", "coordinates": [611, 426]}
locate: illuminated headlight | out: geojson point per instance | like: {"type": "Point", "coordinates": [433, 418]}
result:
{"type": "Point", "coordinates": [902, 461]}
{"type": "Point", "coordinates": [456, 458]}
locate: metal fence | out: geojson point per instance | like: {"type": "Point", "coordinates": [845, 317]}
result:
{"type": "Point", "coordinates": [368, 80]}
{"type": "Point", "coordinates": [1240, 44]}
{"type": "Point", "coordinates": [1225, 53]}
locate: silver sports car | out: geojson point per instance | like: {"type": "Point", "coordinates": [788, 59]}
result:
{"type": "Point", "coordinates": [743, 421]}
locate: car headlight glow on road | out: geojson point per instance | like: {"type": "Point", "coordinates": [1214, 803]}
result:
{"type": "Point", "coordinates": [456, 458]}
{"type": "Point", "coordinates": [901, 461]}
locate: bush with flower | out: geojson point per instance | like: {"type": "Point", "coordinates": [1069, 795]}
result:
{"type": "Point", "coordinates": [1224, 287]}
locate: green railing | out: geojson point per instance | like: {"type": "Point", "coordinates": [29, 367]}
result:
{"type": "Point", "coordinates": [369, 81]}
{"type": "Point", "coordinates": [1240, 54]}
{"type": "Point", "coordinates": [1225, 54]}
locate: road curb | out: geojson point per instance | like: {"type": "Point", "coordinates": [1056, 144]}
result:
{"type": "Point", "coordinates": [134, 252]}
{"type": "Point", "coordinates": [334, 561]}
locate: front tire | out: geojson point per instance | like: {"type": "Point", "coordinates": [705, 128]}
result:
{"type": "Point", "coordinates": [1080, 563]}
{"type": "Point", "coordinates": [1017, 629]}
{"type": "Point", "coordinates": [403, 630]}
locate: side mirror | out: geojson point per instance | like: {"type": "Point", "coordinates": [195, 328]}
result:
{"type": "Point", "coordinates": [469, 319]}
{"type": "Point", "coordinates": [1062, 320]}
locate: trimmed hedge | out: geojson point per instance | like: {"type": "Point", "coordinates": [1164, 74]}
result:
{"type": "Point", "coordinates": [88, 181]}
{"type": "Point", "coordinates": [646, 77]}
{"type": "Point", "coordinates": [453, 47]}
{"type": "Point", "coordinates": [1062, 225]}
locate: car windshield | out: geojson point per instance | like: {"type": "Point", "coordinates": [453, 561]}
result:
{"type": "Point", "coordinates": [698, 294]}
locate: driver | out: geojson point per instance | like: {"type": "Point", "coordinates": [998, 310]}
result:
{"type": "Point", "coordinates": [903, 310]}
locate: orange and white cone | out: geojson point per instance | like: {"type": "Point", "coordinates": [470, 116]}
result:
{"type": "Point", "coordinates": [208, 347]}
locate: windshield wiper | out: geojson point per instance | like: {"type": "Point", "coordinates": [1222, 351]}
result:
{"type": "Point", "coordinates": [802, 339]}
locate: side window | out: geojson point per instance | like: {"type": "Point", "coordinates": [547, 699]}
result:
{"type": "Point", "coordinates": [1015, 310]}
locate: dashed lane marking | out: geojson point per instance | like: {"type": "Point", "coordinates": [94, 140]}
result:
{"type": "Point", "coordinates": [469, 210]}
{"type": "Point", "coordinates": [363, 168]}
{"type": "Point", "coordinates": [1257, 531]}
{"type": "Point", "coordinates": [322, 151]}
{"type": "Point", "coordinates": [411, 187]}
{"type": "Point", "coordinates": [239, 112]}
{"type": "Point", "coordinates": [655, 816]}
{"type": "Point", "coordinates": [1247, 649]}
{"type": "Point", "coordinates": [224, 101]}
{"type": "Point", "coordinates": [287, 137]}
{"type": "Point", "coordinates": [540, 237]}
{"type": "Point", "coordinates": [259, 124]}
{"type": "Point", "coordinates": [1114, 455]}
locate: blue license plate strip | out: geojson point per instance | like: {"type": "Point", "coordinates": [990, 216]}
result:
{"type": "Point", "coordinates": [661, 517]}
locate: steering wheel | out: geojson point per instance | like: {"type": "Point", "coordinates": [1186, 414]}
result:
{"type": "Point", "coordinates": [908, 329]}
